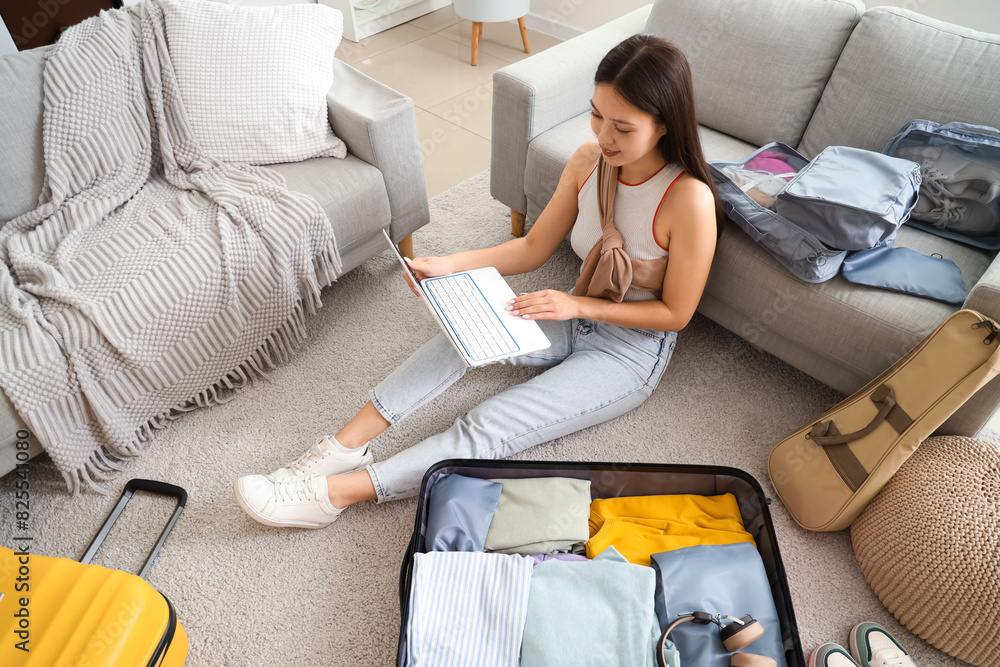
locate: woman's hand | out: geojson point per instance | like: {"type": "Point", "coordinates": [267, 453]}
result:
{"type": "Point", "coordinates": [430, 267]}
{"type": "Point", "coordinates": [426, 267]}
{"type": "Point", "coordinates": [548, 304]}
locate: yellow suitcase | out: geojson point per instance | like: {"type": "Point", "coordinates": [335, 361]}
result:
{"type": "Point", "coordinates": [57, 611]}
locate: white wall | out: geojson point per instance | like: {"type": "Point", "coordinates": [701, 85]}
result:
{"type": "Point", "coordinates": [983, 15]}
{"type": "Point", "coordinates": [565, 18]}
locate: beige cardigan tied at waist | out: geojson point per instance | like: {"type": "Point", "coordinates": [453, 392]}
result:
{"type": "Point", "coordinates": [608, 271]}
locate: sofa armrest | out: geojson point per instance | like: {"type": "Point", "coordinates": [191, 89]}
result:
{"type": "Point", "coordinates": [984, 296]}
{"type": "Point", "coordinates": [379, 125]}
{"type": "Point", "coordinates": [538, 93]}
{"type": "Point", "coordinates": [975, 413]}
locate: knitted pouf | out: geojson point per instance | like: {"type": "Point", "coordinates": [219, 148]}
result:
{"type": "Point", "coordinates": [929, 546]}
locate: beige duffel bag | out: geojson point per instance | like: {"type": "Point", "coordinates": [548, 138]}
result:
{"type": "Point", "coordinates": [827, 472]}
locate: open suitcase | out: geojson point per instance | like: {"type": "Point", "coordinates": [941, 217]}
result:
{"type": "Point", "coordinates": [612, 480]}
{"type": "Point", "coordinates": [57, 611]}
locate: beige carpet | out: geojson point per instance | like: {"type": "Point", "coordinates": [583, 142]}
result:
{"type": "Point", "coordinates": [252, 595]}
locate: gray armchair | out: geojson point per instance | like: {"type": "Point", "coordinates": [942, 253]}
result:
{"type": "Point", "coordinates": [379, 185]}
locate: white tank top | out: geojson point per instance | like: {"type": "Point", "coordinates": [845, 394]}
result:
{"type": "Point", "coordinates": [636, 207]}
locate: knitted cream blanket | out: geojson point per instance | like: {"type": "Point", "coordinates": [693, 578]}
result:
{"type": "Point", "coordinates": [150, 279]}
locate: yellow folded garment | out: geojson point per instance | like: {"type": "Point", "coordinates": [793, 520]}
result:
{"type": "Point", "coordinates": [639, 526]}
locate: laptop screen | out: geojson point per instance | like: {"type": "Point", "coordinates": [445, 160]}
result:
{"type": "Point", "coordinates": [406, 267]}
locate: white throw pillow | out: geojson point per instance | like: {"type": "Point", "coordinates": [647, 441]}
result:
{"type": "Point", "coordinates": [254, 80]}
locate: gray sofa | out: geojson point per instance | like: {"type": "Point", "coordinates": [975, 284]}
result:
{"type": "Point", "coordinates": [809, 73]}
{"type": "Point", "coordinates": [379, 185]}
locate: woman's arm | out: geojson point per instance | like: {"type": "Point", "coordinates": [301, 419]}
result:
{"type": "Point", "coordinates": [534, 249]}
{"type": "Point", "coordinates": [685, 226]}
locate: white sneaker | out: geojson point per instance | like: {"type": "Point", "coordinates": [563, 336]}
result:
{"type": "Point", "coordinates": [966, 216]}
{"type": "Point", "coordinates": [299, 502]}
{"type": "Point", "coordinates": [831, 655]}
{"type": "Point", "coordinates": [954, 174]}
{"type": "Point", "coordinates": [873, 646]}
{"type": "Point", "coordinates": [324, 459]}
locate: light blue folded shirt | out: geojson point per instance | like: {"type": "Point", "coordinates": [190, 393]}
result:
{"type": "Point", "coordinates": [597, 612]}
{"type": "Point", "coordinates": [719, 579]}
{"type": "Point", "coordinates": [467, 608]}
{"type": "Point", "coordinates": [459, 513]}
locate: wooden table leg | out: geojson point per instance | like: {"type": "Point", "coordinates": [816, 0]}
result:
{"type": "Point", "coordinates": [524, 35]}
{"type": "Point", "coordinates": [405, 246]}
{"type": "Point", "coordinates": [477, 33]}
{"type": "Point", "coordinates": [516, 223]}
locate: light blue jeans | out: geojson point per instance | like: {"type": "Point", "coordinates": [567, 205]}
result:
{"type": "Point", "coordinates": [595, 371]}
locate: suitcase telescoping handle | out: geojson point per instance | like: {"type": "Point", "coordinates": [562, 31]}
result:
{"type": "Point", "coordinates": [131, 487]}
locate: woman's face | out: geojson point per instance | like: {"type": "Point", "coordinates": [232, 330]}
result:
{"type": "Point", "coordinates": [626, 134]}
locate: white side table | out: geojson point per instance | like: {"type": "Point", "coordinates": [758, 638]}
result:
{"type": "Point", "coordinates": [492, 11]}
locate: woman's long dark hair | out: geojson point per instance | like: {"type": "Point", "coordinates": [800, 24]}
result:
{"type": "Point", "coordinates": [652, 74]}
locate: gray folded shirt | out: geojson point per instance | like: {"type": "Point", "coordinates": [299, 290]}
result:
{"type": "Point", "coordinates": [540, 515]}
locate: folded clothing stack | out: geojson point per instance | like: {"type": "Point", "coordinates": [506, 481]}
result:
{"type": "Point", "coordinates": [596, 612]}
{"type": "Point", "coordinates": [540, 515]}
{"type": "Point", "coordinates": [467, 608]}
{"type": "Point", "coordinates": [640, 526]}
{"type": "Point", "coordinates": [501, 579]}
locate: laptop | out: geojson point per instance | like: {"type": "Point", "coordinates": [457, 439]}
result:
{"type": "Point", "coordinates": [470, 309]}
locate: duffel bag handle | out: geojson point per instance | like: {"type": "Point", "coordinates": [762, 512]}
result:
{"type": "Point", "coordinates": [826, 433]}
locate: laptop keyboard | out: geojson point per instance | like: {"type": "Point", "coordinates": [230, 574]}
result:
{"type": "Point", "coordinates": [473, 321]}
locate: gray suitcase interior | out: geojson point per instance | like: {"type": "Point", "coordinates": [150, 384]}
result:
{"type": "Point", "coordinates": [611, 480]}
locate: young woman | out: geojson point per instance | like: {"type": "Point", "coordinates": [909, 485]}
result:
{"type": "Point", "coordinates": [610, 343]}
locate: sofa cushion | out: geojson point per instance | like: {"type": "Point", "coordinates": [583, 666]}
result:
{"type": "Point", "coordinates": [21, 166]}
{"type": "Point", "coordinates": [758, 68]}
{"type": "Point", "coordinates": [350, 190]}
{"type": "Point", "coordinates": [254, 79]}
{"type": "Point", "coordinates": [719, 146]}
{"type": "Point", "coordinates": [899, 66]}
{"type": "Point", "coordinates": [838, 331]}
